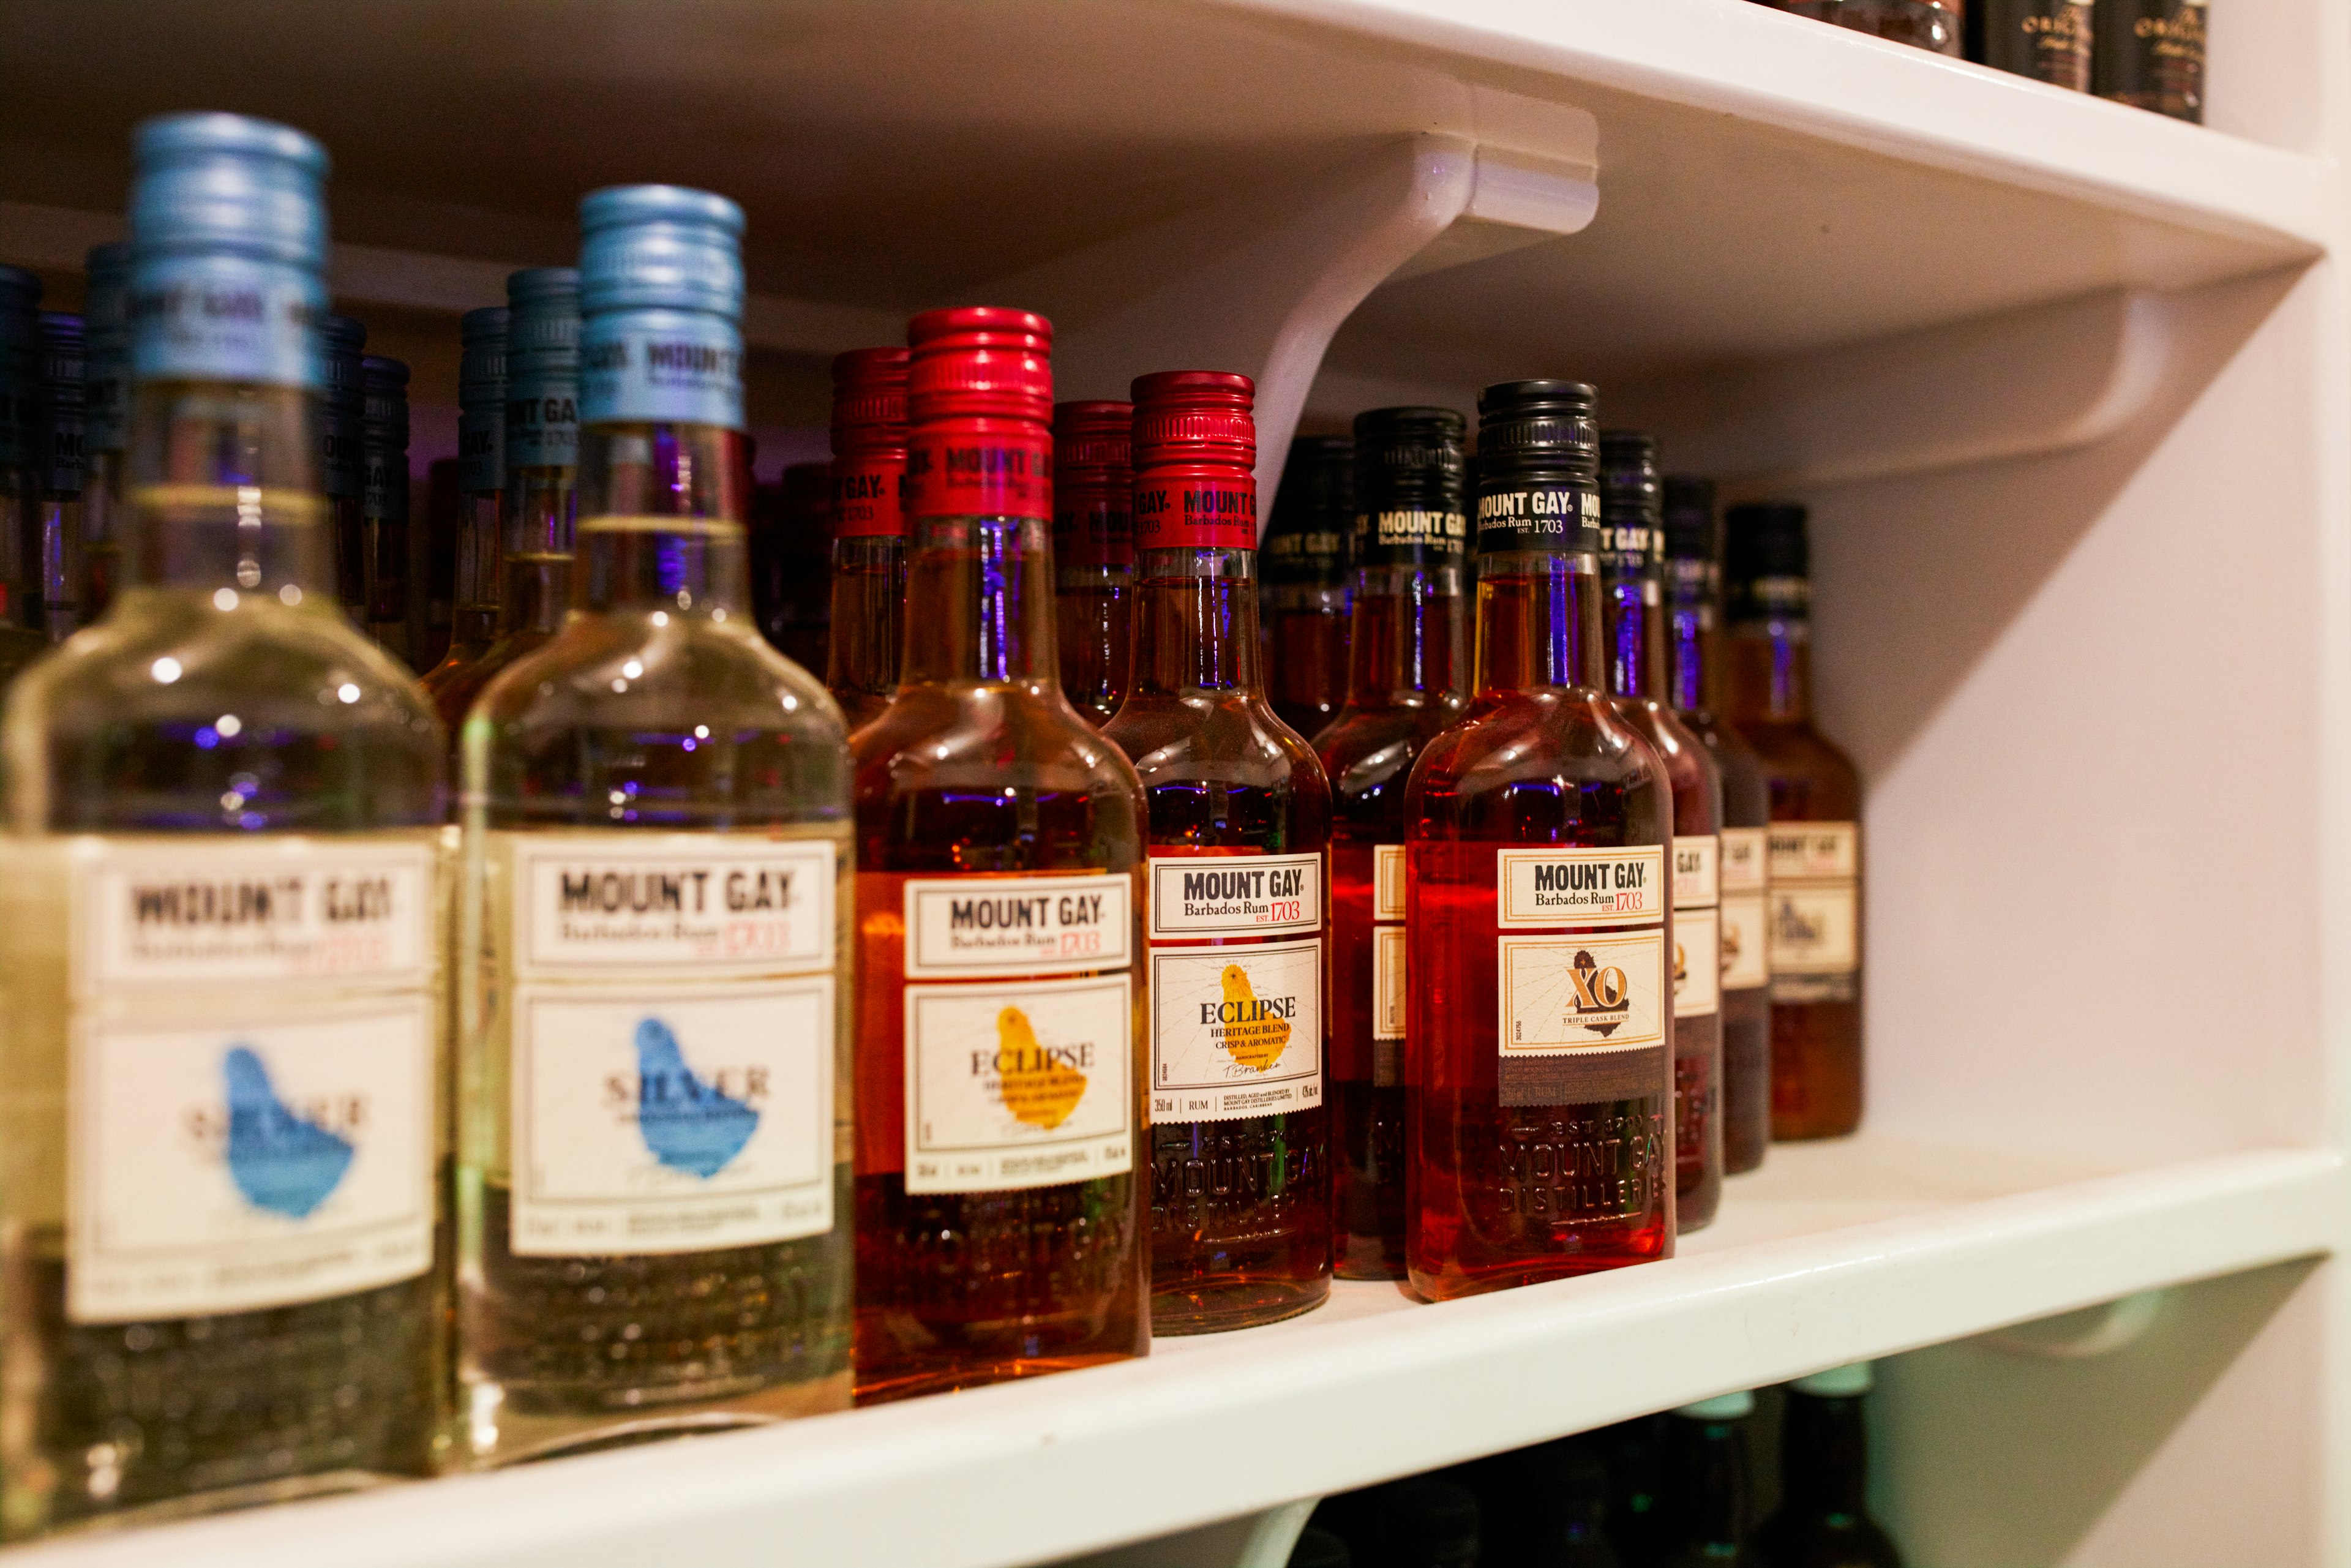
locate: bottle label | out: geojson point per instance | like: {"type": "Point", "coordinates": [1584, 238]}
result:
{"type": "Point", "coordinates": [1389, 997]}
{"type": "Point", "coordinates": [1314, 555]}
{"type": "Point", "coordinates": [482, 449]}
{"type": "Point", "coordinates": [869, 498]}
{"type": "Point", "coordinates": [661, 367]}
{"type": "Point", "coordinates": [1564, 517]}
{"type": "Point", "coordinates": [673, 1040]}
{"type": "Point", "coordinates": [1554, 887]}
{"type": "Point", "coordinates": [966, 926]}
{"type": "Point", "coordinates": [252, 1109]}
{"type": "Point", "coordinates": [1746, 949]}
{"type": "Point", "coordinates": [1411, 536]}
{"type": "Point", "coordinates": [542, 423]}
{"type": "Point", "coordinates": [1815, 910]}
{"type": "Point", "coordinates": [1630, 548]}
{"type": "Point", "coordinates": [106, 321]}
{"type": "Point", "coordinates": [950, 474]}
{"type": "Point", "coordinates": [1176, 512]}
{"type": "Point", "coordinates": [1745, 862]}
{"type": "Point", "coordinates": [1235, 1012]}
{"type": "Point", "coordinates": [68, 400]}
{"type": "Point", "coordinates": [1093, 530]}
{"type": "Point", "coordinates": [383, 493]}
{"type": "Point", "coordinates": [1583, 1012]}
{"type": "Point", "coordinates": [1697, 928]}
{"type": "Point", "coordinates": [213, 318]}
{"type": "Point", "coordinates": [1603, 991]}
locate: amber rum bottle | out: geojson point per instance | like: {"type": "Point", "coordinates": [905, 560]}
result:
{"type": "Point", "coordinates": [1000, 1202]}
{"type": "Point", "coordinates": [1240, 824]}
{"type": "Point", "coordinates": [1093, 552]}
{"type": "Point", "coordinates": [1305, 593]}
{"type": "Point", "coordinates": [1632, 575]}
{"type": "Point", "coordinates": [1693, 600]}
{"type": "Point", "coordinates": [1408, 668]}
{"type": "Point", "coordinates": [1539, 1045]}
{"type": "Point", "coordinates": [1815, 840]}
{"type": "Point", "coordinates": [869, 538]}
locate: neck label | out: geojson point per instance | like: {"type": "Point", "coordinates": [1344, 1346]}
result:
{"type": "Point", "coordinates": [1564, 517]}
{"type": "Point", "coordinates": [1176, 512]}
{"type": "Point", "coordinates": [661, 367]}
{"type": "Point", "coordinates": [1411, 536]}
{"type": "Point", "coordinates": [869, 496]}
{"type": "Point", "coordinates": [953, 473]}
{"type": "Point", "coordinates": [226, 319]}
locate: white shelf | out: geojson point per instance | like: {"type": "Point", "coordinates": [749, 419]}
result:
{"type": "Point", "coordinates": [1831, 1253]}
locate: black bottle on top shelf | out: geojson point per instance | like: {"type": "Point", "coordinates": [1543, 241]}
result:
{"type": "Point", "coordinates": [1823, 1516]}
{"type": "Point", "coordinates": [2048, 40]}
{"type": "Point", "coordinates": [1706, 1484]}
{"type": "Point", "coordinates": [2150, 55]}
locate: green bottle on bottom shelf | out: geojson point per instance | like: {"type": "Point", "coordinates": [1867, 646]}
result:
{"type": "Point", "coordinates": [1823, 1517]}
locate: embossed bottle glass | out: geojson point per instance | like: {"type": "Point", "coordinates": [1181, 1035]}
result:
{"type": "Point", "coordinates": [1093, 553]}
{"type": "Point", "coordinates": [1538, 1051]}
{"type": "Point", "coordinates": [868, 635]}
{"type": "Point", "coordinates": [1408, 667]}
{"type": "Point", "coordinates": [481, 483]}
{"type": "Point", "coordinates": [1305, 590]}
{"type": "Point", "coordinates": [1694, 606]}
{"type": "Point", "coordinates": [655, 1134]}
{"type": "Point", "coordinates": [222, 1076]}
{"type": "Point", "coordinates": [1815, 840]}
{"type": "Point", "coordinates": [1240, 827]}
{"type": "Point", "coordinates": [1632, 547]}
{"type": "Point", "coordinates": [1001, 1211]}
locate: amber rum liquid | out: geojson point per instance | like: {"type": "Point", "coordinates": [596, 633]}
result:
{"type": "Point", "coordinates": [1093, 553]}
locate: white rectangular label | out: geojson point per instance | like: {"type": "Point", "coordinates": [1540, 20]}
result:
{"type": "Point", "coordinates": [671, 904]}
{"type": "Point", "coordinates": [1816, 930]}
{"type": "Point", "coordinates": [1698, 962]}
{"type": "Point", "coordinates": [1388, 881]}
{"type": "Point", "coordinates": [1020, 1085]}
{"type": "Point", "coordinates": [969, 926]}
{"type": "Point", "coordinates": [1698, 871]}
{"type": "Point", "coordinates": [1601, 992]}
{"type": "Point", "coordinates": [1746, 949]}
{"type": "Point", "coordinates": [677, 1119]}
{"type": "Point", "coordinates": [1745, 860]}
{"type": "Point", "coordinates": [1388, 993]}
{"type": "Point", "coordinates": [227, 1166]}
{"type": "Point", "coordinates": [1816, 852]}
{"type": "Point", "coordinates": [1235, 1030]}
{"type": "Point", "coordinates": [1234, 896]}
{"type": "Point", "coordinates": [1580, 887]}
{"type": "Point", "coordinates": [223, 909]}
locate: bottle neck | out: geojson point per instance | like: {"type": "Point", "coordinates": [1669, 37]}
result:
{"type": "Point", "coordinates": [979, 600]}
{"type": "Point", "coordinates": [1715, 1466]}
{"type": "Point", "coordinates": [1406, 638]}
{"type": "Point", "coordinates": [1838, 1478]}
{"type": "Point", "coordinates": [1690, 652]}
{"type": "Point", "coordinates": [869, 602]}
{"type": "Point", "coordinates": [474, 618]}
{"type": "Point", "coordinates": [1637, 637]}
{"type": "Point", "coordinates": [1539, 622]}
{"type": "Point", "coordinates": [1770, 668]}
{"type": "Point", "coordinates": [660, 521]}
{"type": "Point", "coordinates": [1196, 625]}
{"type": "Point", "coordinates": [224, 491]}
{"type": "Point", "coordinates": [541, 512]}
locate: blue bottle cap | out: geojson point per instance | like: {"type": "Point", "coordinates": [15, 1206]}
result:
{"type": "Point", "coordinates": [63, 435]}
{"type": "Point", "coordinates": [662, 295]}
{"type": "Point", "coordinates": [542, 427]}
{"type": "Point", "coordinates": [384, 383]}
{"type": "Point", "coordinates": [383, 440]}
{"type": "Point", "coordinates": [22, 419]}
{"type": "Point", "coordinates": [482, 357]}
{"type": "Point", "coordinates": [106, 321]}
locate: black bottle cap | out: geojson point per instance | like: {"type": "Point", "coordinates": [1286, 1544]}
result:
{"type": "Point", "coordinates": [1411, 503]}
{"type": "Point", "coordinates": [1689, 517]}
{"type": "Point", "coordinates": [1766, 562]}
{"type": "Point", "coordinates": [1631, 528]}
{"type": "Point", "coordinates": [1318, 1548]}
{"type": "Point", "coordinates": [1538, 466]}
{"type": "Point", "coordinates": [1313, 513]}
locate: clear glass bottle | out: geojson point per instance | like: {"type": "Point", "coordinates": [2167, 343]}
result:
{"type": "Point", "coordinates": [224, 1076]}
{"type": "Point", "coordinates": [1093, 553]}
{"type": "Point", "coordinates": [481, 485]}
{"type": "Point", "coordinates": [1537, 1049]}
{"type": "Point", "coordinates": [106, 438]}
{"type": "Point", "coordinates": [384, 502]}
{"type": "Point", "coordinates": [1706, 1484]}
{"type": "Point", "coordinates": [1000, 1038]}
{"type": "Point", "coordinates": [1823, 1518]}
{"type": "Point", "coordinates": [24, 634]}
{"type": "Point", "coordinates": [868, 633]}
{"type": "Point", "coordinates": [342, 464]}
{"type": "Point", "coordinates": [654, 1173]}
{"type": "Point", "coordinates": [1631, 550]}
{"type": "Point", "coordinates": [1305, 592]}
{"type": "Point", "coordinates": [1694, 606]}
{"type": "Point", "coordinates": [58, 558]}
{"type": "Point", "coordinates": [1814, 848]}
{"type": "Point", "coordinates": [1240, 868]}
{"type": "Point", "coordinates": [1407, 675]}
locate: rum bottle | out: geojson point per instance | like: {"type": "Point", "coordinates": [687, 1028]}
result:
{"type": "Point", "coordinates": [1823, 1518]}
{"type": "Point", "coordinates": [1694, 602]}
{"type": "Point", "coordinates": [1093, 553]}
{"type": "Point", "coordinates": [343, 465]}
{"type": "Point", "coordinates": [791, 564]}
{"type": "Point", "coordinates": [1000, 1201]}
{"type": "Point", "coordinates": [1407, 666]}
{"type": "Point", "coordinates": [384, 502]}
{"type": "Point", "coordinates": [1632, 553]}
{"type": "Point", "coordinates": [869, 541]}
{"type": "Point", "coordinates": [2048, 40]}
{"type": "Point", "coordinates": [1539, 1045]}
{"type": "Point", "coordinates": [481, 484]}
{"type": "Point", "coordinates": [1814, 849]}
{"type": "Point", "coordinates": [57, 565]}
{"type": "Point", "coordinates": [1305, 595]}
{"type": "Point", "coordinates": [223, 1070]}
{"type": "Point", "coordinates": [23, 634]}
{"type": "Point", "coordinates": [1240, 829]}
{"type": "Point", "coordinates": [1707, 1486]}
{"type": "Point", "coordinates": [106, 347]}
{"type": "Point", "coordinates": [2150, 54]}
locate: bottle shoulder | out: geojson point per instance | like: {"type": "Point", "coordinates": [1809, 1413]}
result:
{"type": "Point", "coordinates": [1227, 737]}
{"type": "Point", "coordinates": [1810, 776]}
{"type": "Point", "coordinates": [1539, 765]}
{"type": "Point", "coordinates": [1689, 768]}
{"type": "Point", "coordinates": [984, 736]}
{"type": "Point", "coordinates": [601, 670]}
{"type": "Point", "coordinates": [1368, 751]}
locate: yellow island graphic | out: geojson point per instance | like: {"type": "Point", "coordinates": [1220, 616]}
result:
{"type": "Point", "coordinates": [1036, 1088]}
{"type": "Point", "coordinates": [1254, 1042]}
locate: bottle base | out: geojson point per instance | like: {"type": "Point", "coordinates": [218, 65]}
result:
{"type": "Point", "coordinates": [220, 1499]}
{"type": "Point", "coordinates": [1452, 1287]}
{"type": "Point", "coordinates": [915, 1381]}
{"type": "Point", "coordinates": [1241, 1305]}
{"type": "Point", "coordinates": [502, 1436]}
{"type": "Point", "coordinates": [1372, 1264]}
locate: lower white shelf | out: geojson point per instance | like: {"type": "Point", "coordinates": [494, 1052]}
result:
{"type": "Point", "coordinates": [1833, 1252]}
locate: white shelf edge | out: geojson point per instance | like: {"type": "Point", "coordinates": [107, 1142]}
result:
{"type": "Point", "coordinates": [1065, 1465]}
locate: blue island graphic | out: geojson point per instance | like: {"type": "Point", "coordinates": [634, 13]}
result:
{"type": "Point", "coordinates": [689, 1124]}
{"type": "Point", "coordinates": [279, 1159]}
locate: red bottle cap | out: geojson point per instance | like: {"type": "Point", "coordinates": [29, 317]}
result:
{"type": "Point", "coordinates": [1094, 484]}
{"type": "Point", "coordinates": [1195, 461]}
{"type": "Point", "coordinates": [979, 403]}
{"type": "Point", "coordinates": [1096, 437]}
{"type": "Point", "coordinates": [869, 444]}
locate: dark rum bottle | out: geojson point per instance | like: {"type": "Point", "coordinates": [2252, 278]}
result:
{"type": "Point", "coordinates": [24, 634]}
{"type": "Point", "coordinates": [341, 413]}
{"type": "Point", "coordinates": [481, 482]}
{"type": "Point", "coordinates": [868, 540]}
{"type": "Point", "coordinates": [1815, 861]}
{"type": "Point", "coordinates": [1538, 1049]}
{"type": "Point", "coordinates": [57, 557]}
{"type": "Point", "coordinates": [1823, 1520]}
{"type": "Point", "coordinates": [1305, 592]}
{"type": "Point", "coordinates": [1001, 1205]}
{"type": "Point", "coordinates": [2150, 54]}
{"type": "Point", "coordinates": [1707, 1486]}
{"type": "Point", "coordinates": [1632, 548]}
{"type": "Point", "coordinates": [791, 564]}
{"type": "Point", "coordinates": [2048, 40]}
{"type": "Point", "coordinates": [106, 321]}
{"type": "Point", "coordinates": [1093, 552]}
{"type": "Point", "coordinates": [384, 502]}
{"type": "Point", "coordinates": [1407, 672]}
{"type": "Point", "coordinates": [1239, 826]}
{"type": "Point", "coordinates": [1693, 604]}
